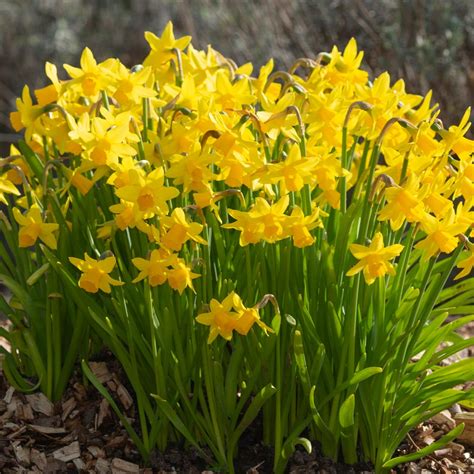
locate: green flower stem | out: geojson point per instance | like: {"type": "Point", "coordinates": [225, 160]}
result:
{"type": "Point", "coordinates": [344, 167]}
{"type": "Point", "coordinates": [350, 336]}
{"type": "Point", "coordinates": [79, 335]}
{"type": "Point", "coordinates": [211, 401]}
{"type": "Point", "coordinates": [145, 118]}
{"type": "Point", "coordinates": [153, 328]}
{"type": "Point", "coordinates": [105, 100]}
{"type": "Point", "coordinates": [412, 321]}
{"type": "Point", "coordinates": [399, 281]}
{"type": "Point", "coordinates": [132, 362]}
{"type": "Point", "coordinates": [47, 387]}
{"type": "Point", "coordinates": [278, 385]}
{"type": "Point", "coordinates": [141, 148]}
{"type": "Point", "coordinates": [58, 331]}
{"type": "Point", "coordinates": [35, 356]}
{"type": "Point", "coordinates": [366, 207]}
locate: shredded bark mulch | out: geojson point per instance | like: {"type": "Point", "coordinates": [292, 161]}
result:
{"type": "Point", "coordinates": [81, 433]}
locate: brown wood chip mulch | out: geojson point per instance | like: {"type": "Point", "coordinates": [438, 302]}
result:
{"type": "Point", "coordinates": [82, 434]}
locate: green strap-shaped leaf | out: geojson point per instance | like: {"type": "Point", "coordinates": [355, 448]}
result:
{"type": "Point", "coordinates": [364, 374]}
{"type": "Point", "coordinates": [289, 448]}
{"type": "Point", "coordinates": [358, 377]}
{"type": "Point", "coordinates": [301, 361]}
{"type": "Point", "coordinates": [318, 421]}
{"type": "Point", "coordinates": [103, 391]}
{"type": "Point", "coordinates": [231, 378]}
{"type": "Point", "coordinates": [427, 450]}
{"type": "Point", "coordinates": [13, 376]}
{"type": "Point", "coordinates": [173, 417]}
{"type": "Point", "coordinates": [35, 276]}
{"type": "Point", "coordinates": [346, 412]}
{"type": "Point", "coordinates": [32, 159]}
{"type": "Point", "coordinates": [252, 411]}
{"type": "Point", "coordinates": [17, 290]}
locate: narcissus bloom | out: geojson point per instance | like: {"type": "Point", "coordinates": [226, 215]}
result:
{"type": "Point", "coordinates": [27, 113]}
{"type": "Point", "coordinates": [95, 273]}
{"type": "Point", "coordinates": [300, 229]}
{"type": "Point", "coordinates": [223, 320]}
{"type": "Point", "coordinates": [162, 48]}
{"type": "Point", "coordinates": [91, 77]}
{"type": "Point", "coordinates": [441, 234]}
{"type": "Point", "coordinates": [165, 266]}
{"type": "Point", "coordinates": [403, 204]}
{"type": "Point", "coordinates": [374, 259]}
{"type": "Point", "coordinates": [33, 227]}
{"type": "Point", "coordinates": [292, 173]}
{"type": "Point", "coordinates": [149, 194]}
{"type": "Point", "coordinates": [345, 66]}
{"type": "Point", "coordinates": [264, 221]}
{"type": "Point", "coordinates": [179, 230]}
{"type": "Point", "coordinates": [7, 187]}
{"type": "Point", "coordinates": [467, 264]}
{"type": "Point", "coordinates": [180, 276]}
{"type": "Point", "coordinates": [247, 317]}
{"type": "Point", "coordinates": [454, 138]}
{"type": "Point", "coordinates": [155, 269]}
{"type": "Point", "coordinates": [220, 318]}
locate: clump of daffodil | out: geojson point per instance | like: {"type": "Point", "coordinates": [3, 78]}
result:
{"type": "Point", "coordinates": [263, 180]}
{"type": "Point", "coordinates": [374, 259]}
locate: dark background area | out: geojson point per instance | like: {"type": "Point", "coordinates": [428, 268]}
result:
{"type": "Point", "coordinates": [429, 43]}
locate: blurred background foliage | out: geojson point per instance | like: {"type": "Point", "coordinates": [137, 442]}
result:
{"type": "Point", "coordinates": [430, 43]}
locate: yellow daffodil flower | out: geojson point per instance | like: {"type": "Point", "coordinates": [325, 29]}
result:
{"type": "Point", "coordinates": [191, 170]}
{"type": "Point", "coordinates": [454, 138]}
{"type": "Point", "coordinates": [7, 187]}
{"type": "Point", "coordinates": [165, 266]}
{"type": "Point", "coordinates": [345, 66]}
{"type": "Point", "coordinates": [149, 193]}
{"type": "Point", "coordinates": [130, 87]}
{"type": "Point", "coordinates": [179, 230]}
{"type": "Point", "coordinates": [220, 318]}
{"type": "Point", "coordinates": [247, 317]}
{"type": "Point", "coordinates": [374, 259]}
{"type": "Point", "coordinates": [301, 226]}
{"type": "Point", "coordinates": [264, 221]}
{"type": "Point", "coordinates": [95, 273]}
{"type": "Point", "coordinates": [441, 234]}
{"type": "Point", "coordinates": [91, 78]}
{"type": "Point", "coordinates": [156, 268]}
{"type": "Point", "coordinates": [466, 264]}
{"type": "Point", "coordinates": [403, 204]}
{"type": "Point", "coordinates": [27, 114]}
{"type": "Point", "coordinates": [223, 318]}
{"type": "Point", "coordinates": [33, 227]}
{"type": "Point", "coordinates": [162, 48]}
{"type": "Point", "coordinates": [180, 276]}
{"type": "Point", "coordinates": [292, 173]}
